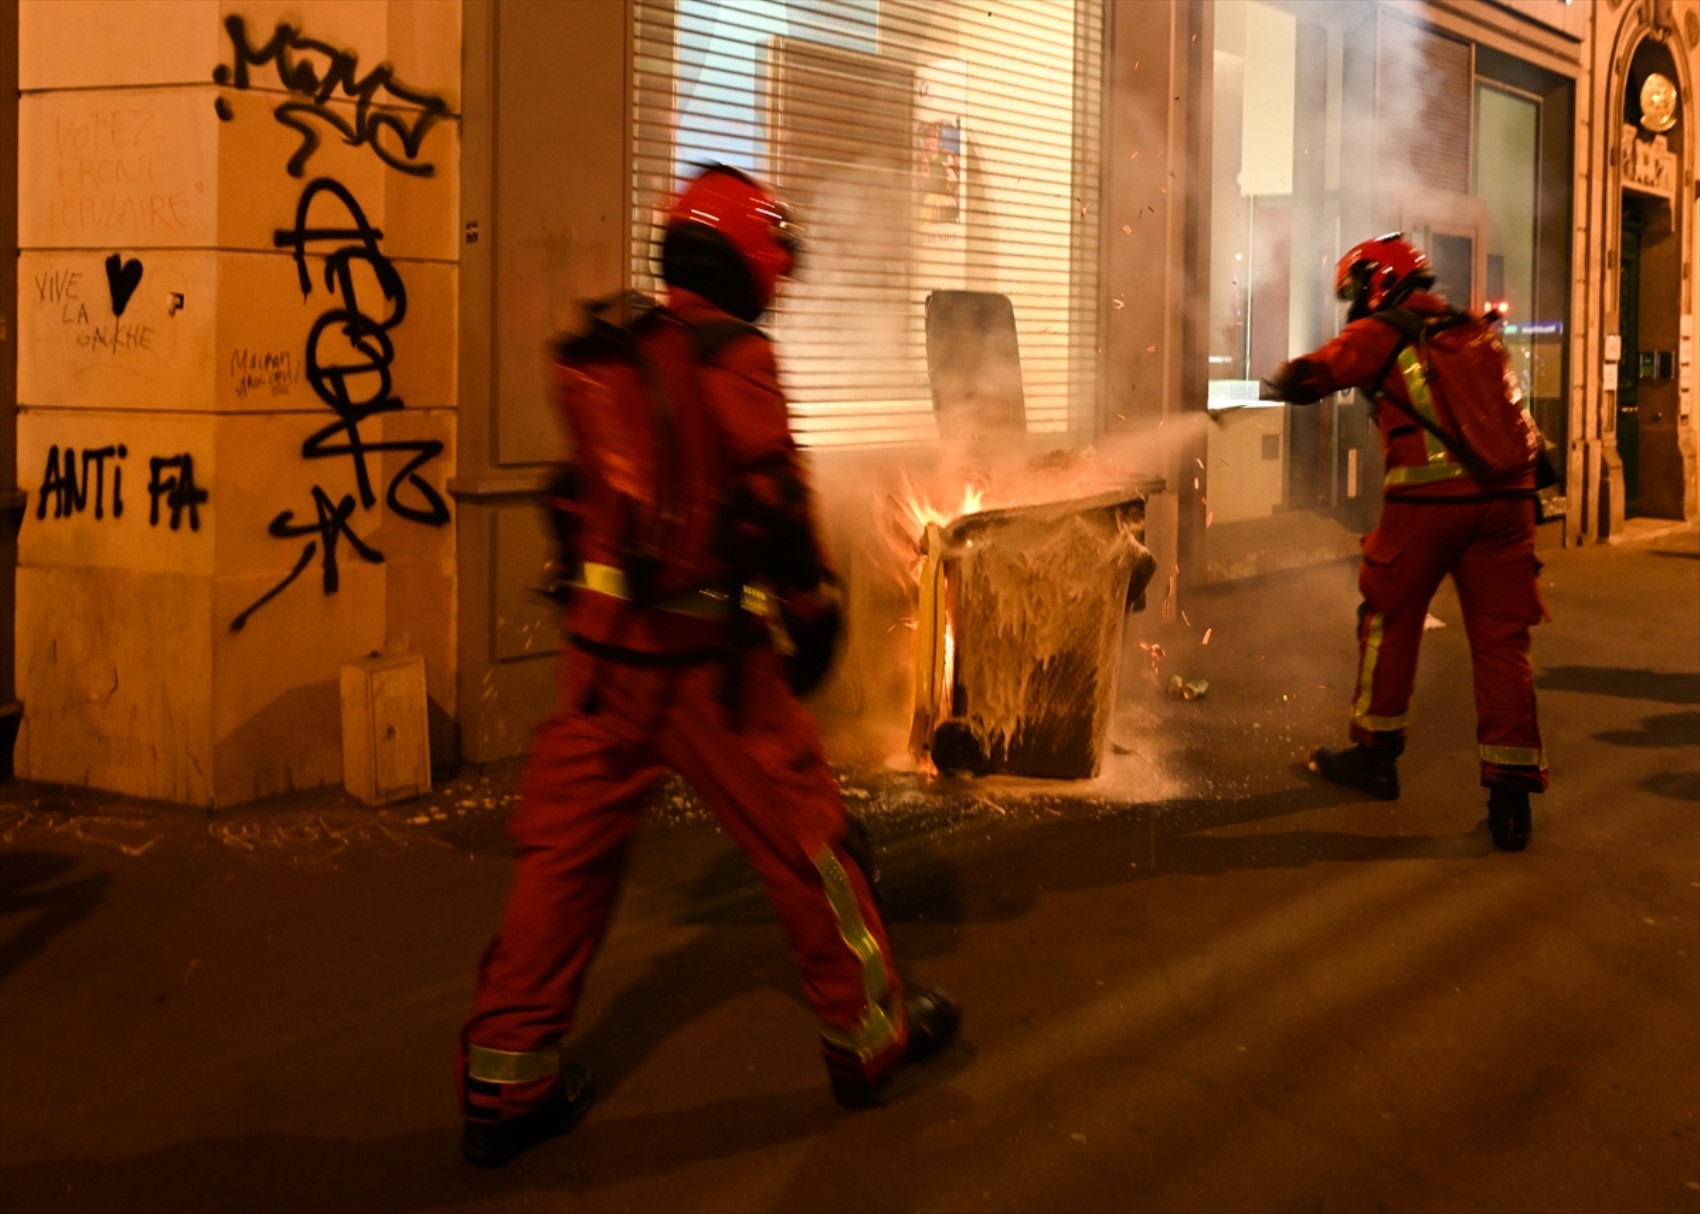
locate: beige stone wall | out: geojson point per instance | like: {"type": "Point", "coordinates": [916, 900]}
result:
{"type": "Point", "coordinates": [177, 360]}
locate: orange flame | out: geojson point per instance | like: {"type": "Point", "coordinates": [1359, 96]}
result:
{"type": "Point", "coordinates": [918, 511]}
{"type": "Point", "coordinates": [910, 516]}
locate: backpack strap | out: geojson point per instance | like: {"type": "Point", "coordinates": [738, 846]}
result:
{"type": "Point", "coordinates": [1414, 328]}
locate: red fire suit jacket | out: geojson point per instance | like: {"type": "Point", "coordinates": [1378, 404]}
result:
{"type": "Point", "coordinates": [741, 490]}
{"type": "Point", "coordinates": [1363, 356]}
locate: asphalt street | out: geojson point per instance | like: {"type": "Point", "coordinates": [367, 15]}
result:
{"type": "Point", "coordinates": [1200, 982]}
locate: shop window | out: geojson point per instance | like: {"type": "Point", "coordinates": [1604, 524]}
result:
{"type": "Point", "coordinates": [1523, 120]}
{"type": "Point", "coordinates": [927, 146]}
{"type": "Point", "coordinates": [1507, 174]}
{"type": "Point", "coordinates": [1274, 205]}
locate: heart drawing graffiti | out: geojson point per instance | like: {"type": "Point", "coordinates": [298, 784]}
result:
{"type": "Point", "coordinates": [123, 277]}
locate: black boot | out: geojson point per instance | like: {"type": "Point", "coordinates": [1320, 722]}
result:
{"type": "Point", "coordinates": [934, 1020]}
{"type": "Point", "coordinates": [1371, 770]}
{"type": "Point", "coordinates": [1509, 819]}
{"type": "Point", "coordinates": [491, 1144]}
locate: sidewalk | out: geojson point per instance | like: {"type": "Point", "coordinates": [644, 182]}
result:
{"type": "Point", "coordinates": [1269, 701]}
{"type": "Point", "coordinates": [1203, 981]}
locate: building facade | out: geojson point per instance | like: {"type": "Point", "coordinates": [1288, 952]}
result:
{"type": "Point", "coordinates": [285, 277]}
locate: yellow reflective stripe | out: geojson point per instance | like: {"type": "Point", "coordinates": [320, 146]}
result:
{"type": "Point", "coordinates": [500, 1066]}
{"type": "Point", "coordinates": [1423, 474]}
{"type": "Point", "coordinates": [755, 600]}
{"type": "Point", "coordinates": [1379, 724]}
{"type": "Point", "coordinates": [878, 1029]}
{"type": "Point", "coordinates": [1416, 384]}
{"type": "Point", "coordinates": [701, 604]}
{"type": "Point", "coordinates": [1366, 667]}
{"type": "Point", "coordinates": [1513, 756]}
{"type": "Point", "coordinates": [605, 579]}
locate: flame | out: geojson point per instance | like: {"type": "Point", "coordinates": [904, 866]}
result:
{"type": "Point", "coordinates": [949, 679]}
{"type": "Point", "coordinates": [909, 517]}
{"type": "Point", "coordinates": [917, 511]}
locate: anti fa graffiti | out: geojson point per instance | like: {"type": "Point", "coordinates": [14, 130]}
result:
{"type": "Point", "coordinates": [348, 359]}
{"type": "Point", "coordinates": [172, 477]}
{"type": "Point", "coordinates": [70, 492]}
{"type": "Point", "coordinates": [317, 72]}
{"type": "Point", "coordinates": [74, 481]}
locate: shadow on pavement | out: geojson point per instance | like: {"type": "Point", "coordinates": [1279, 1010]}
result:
{"type": "Point", "coordinates": [941, 869]}
{"type": "Point", "coordinates": [285, 1172]}
{"type": "Point", "coordinates": [1666, 687]}
{"type": "Point", "coordinates": [999, 875]}
{"type": "Point", "coordinates": [1663, 732]}
{"type": "Point", "coordinates": [23, 888]}
{"type": "Point", "coordinates": [1677, 785]}
{"type": "Point", "coordinates": [679, 987]}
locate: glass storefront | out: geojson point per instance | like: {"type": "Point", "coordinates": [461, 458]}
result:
{"type": "Point", "coordinates": [1332, 124]}
{"type": "Point", "coordinates": [1273, 232]}
{"type": "Point", "coordinates": [1507, 175]}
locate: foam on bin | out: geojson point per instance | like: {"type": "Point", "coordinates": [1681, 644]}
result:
{"type": "Point", "coordinates": [1038, 595]}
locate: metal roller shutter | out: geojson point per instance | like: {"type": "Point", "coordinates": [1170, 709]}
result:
{"type": "Point", "coordinates": [927, 145]}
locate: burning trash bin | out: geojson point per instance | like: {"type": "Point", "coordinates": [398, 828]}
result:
{"type": "Point", "coordinates": [1020, 630]}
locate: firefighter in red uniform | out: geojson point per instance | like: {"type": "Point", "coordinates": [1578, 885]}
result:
{"type": "Point", "coordinates": [652, 683]}
{"type": "Point", "coordinates": [1436, 519]}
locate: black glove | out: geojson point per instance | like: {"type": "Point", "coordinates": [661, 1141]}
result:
{"type": "Point", "coordinates": [1296, 382]}
{"type": "Point", "coordinates": [813, 620]}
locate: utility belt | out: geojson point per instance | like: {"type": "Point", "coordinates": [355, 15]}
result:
{"type": "Point", "coordinates": [754, 604]}
{"type": "Point", "coordinates": [704, 603]}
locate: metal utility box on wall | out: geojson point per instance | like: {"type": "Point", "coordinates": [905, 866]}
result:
{"type": "Point", "coordinates": [386, 748]}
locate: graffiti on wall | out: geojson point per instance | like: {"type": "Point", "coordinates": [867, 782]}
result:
{"type": "Point", "coordinates": [273, 371]}
{"type": "Point", "coordinates": [113, 173]}
{"type": "Point", "coordinates": [318, 74]}
{"type": "Point", "coordinates": [64, 289]}
{"type": "Point", "coordinates": [75, 482]}
{"type": "Point", "coordinates": [348, 360]}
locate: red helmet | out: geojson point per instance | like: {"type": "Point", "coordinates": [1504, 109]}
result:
{"type": "Point", "coordinates": [1379, 273]}
{"type": "Point", "coordinates": [729, 240]}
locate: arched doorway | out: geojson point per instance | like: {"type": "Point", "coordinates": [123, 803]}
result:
{"type": "Point", "coordinates": [1654, 438]}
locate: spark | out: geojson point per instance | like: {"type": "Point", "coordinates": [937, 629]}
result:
{"type": "Point", "coordinates": [1207, 633]}
{"type": "Point", "coordinates": [1118, 302]}
{"type": "Point", "coordinates": [1127, 228]}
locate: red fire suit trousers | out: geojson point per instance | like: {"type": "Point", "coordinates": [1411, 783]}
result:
{"type": "Point", "coordinates": [1488, 547]}
{"type": "Point", "coordinates": [591, 766]}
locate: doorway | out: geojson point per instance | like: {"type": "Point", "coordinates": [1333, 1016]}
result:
{"type": "Point", "coordinates": [1628, 369]}
{"type": "Point", "coordinates": [1453, 230]}
{"type": "Point", "coordinates": [1648, 406]}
